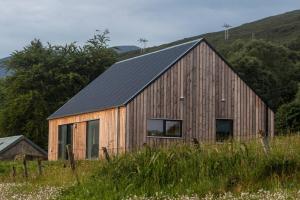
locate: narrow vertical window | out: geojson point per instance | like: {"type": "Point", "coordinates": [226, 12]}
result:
{"type": "Point", "coordinates": [224, 129]}
{"type": "Point", "coordinates": [92, 139]}
{"type": "Point", "coordinates": [65, 137]}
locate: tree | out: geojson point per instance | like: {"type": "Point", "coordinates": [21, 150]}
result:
{"type": "Point", "coordinates": [288, 116]}
{"type": "Point", "coordinates": [271, 69]}
{"type": "Point", "coordinates": [43, 78]}
{"type": "Point", "coordinates": [294, 44]}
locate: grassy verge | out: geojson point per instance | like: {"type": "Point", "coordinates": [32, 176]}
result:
{"type": "Point", "coordinates": [208, 171]}
{"type": "Point", "coordinates": [185, 170]}
{"type": "Point", "coordinates": [56, 177]}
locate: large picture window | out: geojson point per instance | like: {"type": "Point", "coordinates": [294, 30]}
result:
{"type": "Point", "coordinates": [224, 129]}
{"type": "Point", "coordinates": [65, 137]}
{"type": "Point", "coordinates": [92, 139]}
{"type": "Point", "coordinates": [164, 128]}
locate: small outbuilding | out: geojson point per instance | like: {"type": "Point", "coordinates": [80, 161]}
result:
{"type": "Point", "coordinates": [13, 146]}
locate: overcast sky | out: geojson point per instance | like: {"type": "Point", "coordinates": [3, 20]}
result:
{"type": "Point", "coordinates": [160, 21]}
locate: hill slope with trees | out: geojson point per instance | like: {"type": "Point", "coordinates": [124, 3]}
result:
{"type": "Point", "coordinates": [280, 29]}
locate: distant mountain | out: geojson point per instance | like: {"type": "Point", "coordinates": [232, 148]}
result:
{"type": "Point", "coordinates": [125, 49]}
{"type": "Point", "coordinates": [281, 29]}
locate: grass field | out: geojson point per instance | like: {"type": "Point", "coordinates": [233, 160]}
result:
{"type": "Point", "coordinates": [220, 171]}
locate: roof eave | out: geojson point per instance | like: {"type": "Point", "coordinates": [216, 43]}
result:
{"type": "Point", "coordinates": [85, 112]}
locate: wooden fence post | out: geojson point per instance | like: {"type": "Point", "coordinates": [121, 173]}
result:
{"type": "Point", "coordinates": [39, 162]}
{"type": "Point", "coordinates": [25, 167]}
{"type": "Point", "coordinates": [72, 162]}
{"type": "Point", "coordinates": [196, 143]}
{"type": "Point", "coordinates": [14, 172]}
{"type": "Point", "coordinates": [264, 141]}
{"type": "Point", "coordinates": [105, 151]}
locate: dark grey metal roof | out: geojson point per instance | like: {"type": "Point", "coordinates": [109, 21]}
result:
{"type": "Point", "coordinates": [8, 142]}
{"type": "Point", "coordinates": [123, 81]}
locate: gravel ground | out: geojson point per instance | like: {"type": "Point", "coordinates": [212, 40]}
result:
{"type": "Point", "coordinates": [12, 191]}
{"type": "Point", "coordinates": [261, 194]}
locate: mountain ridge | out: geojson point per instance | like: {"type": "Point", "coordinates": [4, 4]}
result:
{"type": "Point", "coordinates": [281, 29]}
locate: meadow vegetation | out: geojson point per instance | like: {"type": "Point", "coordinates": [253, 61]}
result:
{"type": "Point", "coordinates": [205, 171]}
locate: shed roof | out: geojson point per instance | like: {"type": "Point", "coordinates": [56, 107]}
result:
{"type": "Point", "coordinates": [123, 81]}
{"type": "Point", "coordinates": [8, 142]}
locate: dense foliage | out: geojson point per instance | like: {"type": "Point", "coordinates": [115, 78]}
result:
{"type": "Point", "coordinates": [272, 70]}
{"type": "Point", "coordinates": [43, 77]}
{"type": "Point", "coordinates": [288, 116]}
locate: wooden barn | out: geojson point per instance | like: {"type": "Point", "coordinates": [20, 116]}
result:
{"type": "Point", "coordinates": [11, 147]}
{"type": "Point", "coordinates": [173, 95]}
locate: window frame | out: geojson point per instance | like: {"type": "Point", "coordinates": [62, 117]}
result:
{"type": "Point", "coordinates": [231, 136]}
{"type": "Point", "coordinates": [86, 139]}
{"type": "Point", "coordinates": [165, 120]}
{"type": "Point", "coordinates": [64, 156]}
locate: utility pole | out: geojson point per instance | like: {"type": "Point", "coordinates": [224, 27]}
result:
{"type": "Point", "coordinates": [143, 42]}
{"type": "Point", "coordinates": [226, 31]}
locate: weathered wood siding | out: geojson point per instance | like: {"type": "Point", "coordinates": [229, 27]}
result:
{"type": "Point", "coordinates": [211, 90]}
{"type": "Point", "coordinates": [21, 148]}
{"type": "Point", "coordinates": [111, 135]}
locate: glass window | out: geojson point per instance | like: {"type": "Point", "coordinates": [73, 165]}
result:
{"type": "Point", "coordinates": [155, 127]}
{"type": "Point", "coordinates": [173, 128]}
{"type": "Point", "coordinates": [164, 128]}
{"type": "Point", "coordinates": [64, 138]}
{"type": "Point", "coordinates": [92, 139]}
{"type": "Point", "coordinates": [224, 129]}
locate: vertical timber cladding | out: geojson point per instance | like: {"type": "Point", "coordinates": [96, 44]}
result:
{"type": "Point", "coordinates": [211, 90]}
{"type": "Point", "coordinates": [111, 135]}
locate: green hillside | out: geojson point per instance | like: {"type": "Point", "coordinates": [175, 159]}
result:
{"type": "Point", "coordinates": [281, 29]}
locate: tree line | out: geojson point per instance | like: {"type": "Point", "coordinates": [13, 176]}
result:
{"type": "Point", "coordinates": [273, 70]}
{"type": "Point", "coordinates": [42, 78]}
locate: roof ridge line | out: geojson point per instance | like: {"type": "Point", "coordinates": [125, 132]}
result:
{"type": "Point", "coordinates": [170, 47]}
{"type": "Point", "coordinates": [11, 136]}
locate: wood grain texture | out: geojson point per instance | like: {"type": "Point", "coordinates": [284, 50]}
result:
{"type": "Point", "coordinates": [111, 121]}
{"type": "Point", "coordinates": [21, 148]}
{"type": "Point", "coordinates": [211, 90]}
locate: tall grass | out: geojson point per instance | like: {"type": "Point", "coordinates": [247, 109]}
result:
{"type": "Point", "coordinates": [185, 169]}
{"type": "Point", "coordinates": [57, 174]}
